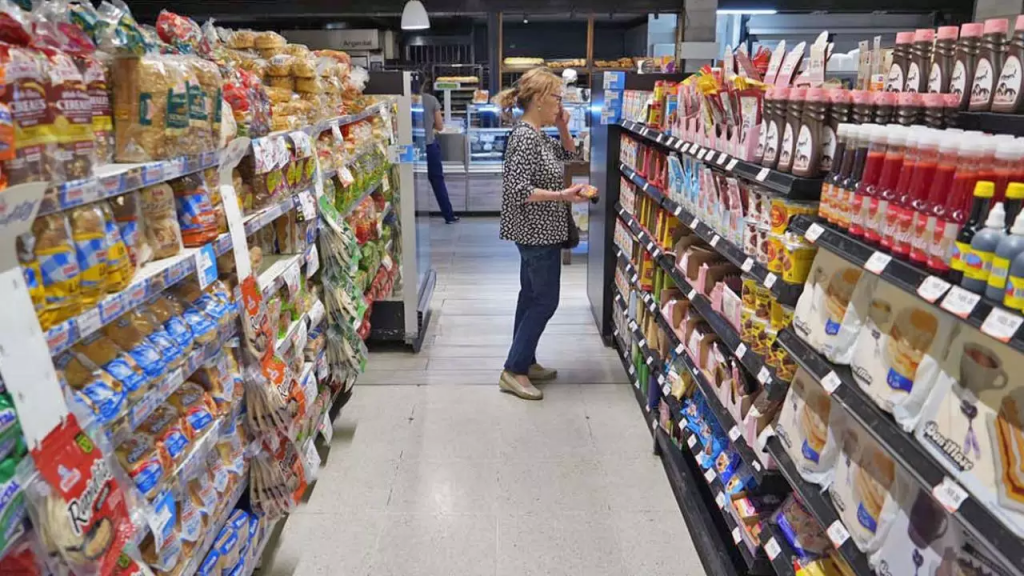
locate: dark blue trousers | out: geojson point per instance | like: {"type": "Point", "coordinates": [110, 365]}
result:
{"type": "Point", "coordinates": [435, 173]}
{"type": "Point", "coordinates": [540, 275]}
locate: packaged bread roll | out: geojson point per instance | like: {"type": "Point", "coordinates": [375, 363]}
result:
{"type": "Point", "coordinates": [131, 224]}
{"type": "Point", "coordinates": [280, 65]}
{"type": "Point", "coordinates": [58, 267]}
{"type": "Point", "coordinates": [126, 333]}
{"type": "Point", "coordinates": [242, 39]}
{"type": "Point", "coordinates": [119, 264]}
{"type": "Point", "coordinates": [150, 108]}
{"type": "Point", "coordinates": [298, 50]}
{"type": "Point", "coordinates": [167, 428]}
{"type": "Point", "coordinates": [268, 39]}
{"type": "Point", "coordinates": [169, 312]}
{"type": "Point", "coordinates": [25, 85]}
{"type": "Point", "coordinates": [304, 68]}
{"type": "Point", "coordinates": [196, 217]}
{"type": "Point", "coordinates": [203, 327]}
{"type": "Point", "coordinates": [195, 406]}
{"type": "Point", "coordinates": [145, 462]}
{"type": "Point", "coordinates": [93, 387]}
{"type": "Point", "coordinates": [25, 249]}
{"type": "Point", "coordinates": [308, 85]}
{"type": "Point", "coordinates": [103, 353]}
{"type": "Point", "coordinates": [215, 377]}
{"type": "Point", "coordinates": [163, 233]}
{"type": "Point", "coordinates": [285, 82]}
{"type": "Point", "coordinates": [88, 232]}
{"type": "Point", "coordinates": [76, 152]}
{"type": "Point", "coordinates": [151, 327]}
{"type": "Point", "coordinates": [94, 73]}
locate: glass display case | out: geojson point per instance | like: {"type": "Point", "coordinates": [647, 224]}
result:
{"type": "Point", "coordinates": [488, 132]}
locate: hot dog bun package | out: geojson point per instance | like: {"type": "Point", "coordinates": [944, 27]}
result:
{"type": "Point", "coordinates": [98, 351]}
{"type": "Point", "coordinates": [972, 422]}
{"type": "Point", "coordinates": [91, 387]}
{"type": "Point", "coordinates": [831, 309]}
{"type": "Point", "coordinates": [895, 359]}
{"type": "Point", "coordinates": [806, 429]}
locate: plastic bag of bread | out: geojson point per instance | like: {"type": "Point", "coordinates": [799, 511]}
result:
{"type": "Point", "coordinates": [203, 327]}
{"type": "Point", "coordinates": [131, 225]}
{"type": "Point", "coordinates": [298, 50]}
{"type": "Point", "coordinates": [284, 82]}
{"type": "Point", "coordinates": [228, 126]}
{"type": "Point", "coordinates": [308, 85]}
{"type": "Point", "coordinates": [127, 333]}
{"type": "Point", "coordinates": [280, 65]}
{"type": "Point", "coordinates": [161, 220]}
{"type": "Point", "coordinates": [88, 232]}
{"type": "Point", "coordinates": [270, 40]}
{"type": "Point", "coordinates": [58, 267]}
{"type": "Point", "coordinates": [25, 249]}
{"type": "Point", "coordinates": [99, 351]}
{"type": "Point", "coordinates": [215, 376]}
{"type": "Point", "coordinates": [94, 73]}
{"type": "Point", "coordinates": [92, 387]}
{"type": "Point", "coordinates": [146, 463]}
{"type": "Point", "coordinates": [210, 305]}
{"type": "Point", "coordinates": [170, 313]}
{"type": "Point", "coordinates": [73, 121]}
{"type": "Point", "coordinates": [210, 82]}
{"type": "Point", "coordinates": [168, 429]}
{"type": "Point", "coordinates": [279, 95]}
{"type": "Point", "coordinates": [151, 109]}
{"type": "Point", "coordinates": [242, 39]}
{"type": "Point", "coordinates": [178, 31]}
{"type": "Point", "coordinates": [153, 329]}
{"type": "Point", "coordinates": [120, 269]}
{"type": "Point", "coordinates": [304, 68]}
{"type": "Point", "coordinates": [195, 406]}
{"type": "Point", "coordinates": [24, 96]}
{"type": "Point", "coordinates": [196, 216]}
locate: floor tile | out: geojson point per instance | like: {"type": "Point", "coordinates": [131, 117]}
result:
{"type": "Point", "coordinates": [565, 544]}
{"type": "Point", "coordinates": [435, 544]}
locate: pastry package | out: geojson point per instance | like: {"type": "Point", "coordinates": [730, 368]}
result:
{"type": "Point", "coordinates": [864, 488]}
{"type": "Point", "coordinates": [92, 387]}
{"type": "Point", "coordinates": [88, 232]}
{"type": "Point", "coordinates": [280, 65]}
{"type": "Point", "coordinates": [153, 329]}
{"type": "Point", "coordinates": [972, 422]}
{"type": "Point", "coordinates": [216, 378]}
{"type": "Point", "coordinates": [170, 313]}
{"type": "Point", "coordinates": [24, 98]}
{"type": "Point", "coordinates": [146, 463]}
{"type": "Point", "coordinates": [127, 333]}
{"type": "Point", "coordinates": [120, 269]}
{"type": "Point", "coordinates": [99, 351]}
{"type": "Point", "coordinates": [265, 40]}
{"type": "Point", "coordinates": [196, 216]}
{"type": "Point", "coordinates": [800, 530]}
{"type": "Point", "coordinates": [151, 109]}
{"type": "Point", "coordinates": [242, 39]}
{"type": "Point", "coordinates": [209, 304]}
{"type": "Point", "coordinates": [195, 406]}
{"type": "Point", "coordinates": [130, 223]}
{"type": "Point", "coordinates": [807, 429]}
{"type": "Point", "coordinates": [178, 31]}
{"type": "Point", "coordinates": [895, 359]}
{"type": "Point", "coordinates": [58, 267]}
{"type": "Point", "coordinates": [73, 121]}
{"type": "Point", "coordinates": [24, 247]}
{"type": "Point", "coordinates": [168, 429]}
{"type": "Point", "coordinates": [163, 234]}
{"type": "Point", "coordinates": [94, 73]}
{"type": "Point", "coordinates": [832, 307]}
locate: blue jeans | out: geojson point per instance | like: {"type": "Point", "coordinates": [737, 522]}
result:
{"type": "Point", "coordinates": [540, 274]}
{"type": "Point", "coordinates": [435, 173]}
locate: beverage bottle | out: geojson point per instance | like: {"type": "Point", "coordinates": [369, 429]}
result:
{"type": "Point", "coordinates": [950, 215]}
{"type": "Point", "coordinates": [1009, 154]}
{"type": "Point", "coordinates": [896, 78]}
{"type": "Point", "coordinates": [980, 203]}
{"type": "Point", "coordinates": [828, 206]}
{"type": "Point", "coordinates": [978, 264]}
{"type": "Point", "coordinates": [885, 192]}
{"type": "Point", "coordinates": [776, 126]}
{"type": "Point", "coordinates": [932, 209]}
{"type": "Point", "coordinates": [861, 141]}
{"type": "Point", "coordinates": [990, 63]}
{"type": "Point", "coordinates": [1007, 98]}
{"type": "Point", "coordinates": [1014, 200]}
{"type": "Point", "coordinates": [920, 61]}
{"type": "Point", "coordinates": [1006, 253]}
{"type": "Point", "coordinates": [961, 80]}
{"type": "Point", "coordinates": [943, 59]}
{"type": "Point", "coordinates": [865, 191]}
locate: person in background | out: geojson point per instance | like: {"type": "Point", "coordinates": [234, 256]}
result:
{"type": "Point", "coordinates": [432, 123]}
{"type": "Point", "coordinates": [535, 215]}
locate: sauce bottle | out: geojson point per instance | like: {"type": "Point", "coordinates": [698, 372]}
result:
{"type": "Point", "coordinates": [767, 109]}
{"type": "Point", "coordinates": [981, 201]}
{"type": "Point", "coordinates": [1013, 297]}
{"type": "Point", "coordinates": [809, 145]}
{"type": "Point", "coordinates": [1006, 253]}
{"type": "Point", "coordinates": [896, 79]}
{"type": "Point", "coordinates": [885, 192]}
{"type": "Point", "coordinates": [920, 61]}
{"type": "Point", "coordinates": [885, 106]}
{"type": "Point", "coordinates": [861, 141]}
{"type": "Point", "coordinates": [794, 112]}
{"type": "Point", "coordinates": [932, 209]}
{"type": "Point", "coordinates": [978, 264]}
{"type": "Point", "coordinates": [1009, 154]}
{"type": "Point", "coordinates": [863, 107]}
{"type": "Point", "coordinates": [909, 106]}
{"type": "Point", "coordinates": [961, 80]}
{"type": "Point", "coordinates": [1007, 98]}
{"type": "Point", "coordinates": [828, 207]}
{"type": "Point", "coordinates": [913, 197]}
{"type": "Point", "coordinates": [900, 194]}
{"type": "Point", "coordinates": [934, 114]}
{"type": "Point", "coordinates": [943, 59]}
{"type": "Point", "coordinates": [865, 191]}
{"type": "Point", "coordinates": [838, 113]}
{"type": "Point", "coordinates": [952, 214]}
{"type": "Point", "coordinates": [990, 62]}
{"type": "Point", "coordinates": [776, 126]}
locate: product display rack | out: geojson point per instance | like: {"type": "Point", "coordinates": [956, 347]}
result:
{"type": "Point", "coordinates": [991, 122]}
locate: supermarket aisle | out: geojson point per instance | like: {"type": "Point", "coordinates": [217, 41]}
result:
{"type": "Point", "coordinates": [433, 471]}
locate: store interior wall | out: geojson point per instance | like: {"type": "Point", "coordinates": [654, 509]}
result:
{"type": "Point", "coordinates": [985, 9]}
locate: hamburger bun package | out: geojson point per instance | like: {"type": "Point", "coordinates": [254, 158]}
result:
{"type": "Point", "coordinates": [833, 305]}
{"type": "Point", "coordinates": [807, 429]}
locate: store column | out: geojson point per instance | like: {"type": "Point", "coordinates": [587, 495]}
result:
{"type": "Point", "coordinates": [697, 45]}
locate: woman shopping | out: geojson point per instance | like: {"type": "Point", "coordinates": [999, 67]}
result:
{"type": "Point", "coordinates": [535, 214]}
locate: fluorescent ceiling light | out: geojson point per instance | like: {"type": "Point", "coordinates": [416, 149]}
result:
{"type": "Point", "coordinates": [414, 16]}
{"type": "Point", "coordinates": [745, 12]}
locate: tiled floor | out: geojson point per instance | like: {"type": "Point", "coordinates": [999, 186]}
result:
{"type": "Point", "coordinates": [433, 471]}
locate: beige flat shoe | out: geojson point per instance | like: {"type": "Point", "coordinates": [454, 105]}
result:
{"type": "Point", "coordinates": [509, 383]}
{"type": "Point", "coordinates": [540, 373]}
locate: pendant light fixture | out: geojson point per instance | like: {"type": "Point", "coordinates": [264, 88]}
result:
{"type": "Point", "coordinates": [414, 16]}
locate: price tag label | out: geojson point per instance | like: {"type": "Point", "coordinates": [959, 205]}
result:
{"type": "Point", "coordinates": [650, 361]}
{"type": "Point", "coordinates": [679, 348]}
{"type": "Point", "coordinates": [736, 535]}
{"type": "Point", "coordinates": [772, 549]}
{"type": "Point", "coordinates": [837, 533]}
{"type": "Point", "coordinates": [830, 382]}
{"type": "Point", "coordinates": [661, 379]}
{"type": "Point", "coordinates": [633, 280]}
{"type": "Point", "coordinates": [312, 261]}
{"type": "Point", "coordinates": [714, 240]}
{"type": "Point", "coordinates": [762, 438]}
{"type": "Point", "coordinates": [732, 164]}
{"type": "Point", "coordinates": [813, 232]}
{"type": "Point", "coordinates": [764, 376]}
{"type": "Point", "coordinates": [756, 465]}
{"type": "Point", "coordinates": [660, 138]}
{"type": "Point", "coordinates": [206, 265]}
{"type": "Point", "coordinates": [647, 186]}
{"type": "Point", "coordinates": [691, 441]}
{"type": "Point", "coordinates": [691, 294]}
{"type": "Point", "coordinates": [643, 342]}
{"type": "Point", "coordinates": [89, 322]}
{"type": "Point", "coordinates": [960, 302]}
{"type": "Point", "coordinates": [677, 211]}
{"type": "Point", "coordinates": [949, 494]}
{"type": "Point", "coordinates": [1001, 325]}
{"type": "Point", "coordinates": [685, 148]}
{"type": "Point", "coordinates": [709, 475]}
{"type": "Point", "coordinates": [769, 280]}
{"type": "Point", "coordinates": [666, 390]}
{"type": "Point", "coordinates": [877, 262]}
{"type": "Point", "coordinates": [654, 424]}
{"type": "Point", "coordinates": [327, 427]}
{"type": "Point", "coordinates": [720, 500]}
{"type": "Point", "coordinates": [741, 350]}
{"type": "Point", "coordinates": [734, 433]}
{"type": "Point", "coordinates": [748, 264]}
{"type": "Point", "coordinates": [932, 288]}
{"type": "Point", "coordinates": [694, 222]}
{"type": "Point", "coordinates": [632, 370]}
{"type": "Point", "coordinates": [722, 157]}
{"type": "Point", "coordinates": [762, 175]}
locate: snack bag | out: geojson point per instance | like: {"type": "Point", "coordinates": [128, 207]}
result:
{"type": "Point", "coordinates": [195, 211]}
{"type": "Point", "coordinates": [195, 406]}
{"type": "Point", "coordinates": [168, 429]}
{"type": "Point", "coordinates": [145, 462]}
{"type": "Point", "coordinates": [77, 505]}
{"type": "Point", "coordinates": [93, 388]}
{"type": "Point", "coordinates": [807, 429]}
{"type": "Point", "coordinates": [101, 352]}
{"type": "Point", "coordinates": [119, 265]}
{"type": "Point", "coordinates": [161, 220]}
{"type": "Point", "coordinates": [58, 265]}
{"type": "Point", "coordinates": [128, 215]}
{"type": "Point", "coordinates": [126, 332]}
{"type": "Point", "coordinates": [88, 231]}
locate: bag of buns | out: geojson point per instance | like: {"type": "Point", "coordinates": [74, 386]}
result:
{"type": "Point", "coordinates": [119, 265]}
{"type": "Point", "coordinates": [58, 267]}
{"type": "Point", "coordinates": [127, 333]}
{"type": "Point", "coordinates": [131, 224]}
{"type": "Point", "coordinates": [161, 227]}
{"type": "Point", "coordinates": [195, 406]}
{"type": "Point", "coordinates": [88, 232]}
{"type": "Point", "coordinates": [168, 429]}
{"type": "Point", "coordinates": [150, 108]}
{"type": "Point", "coordinates": [169, 312]}
{"type": "Point", "coordinates": [145, 462]}
{"type": "Point", "coordinates": [242, 39]}
{"type": "Point", "coordinates": [203, 327]}
{"type": "Point", "coordinates": [211, 305]}
{"type": "Point", "coordinates": [25, 249]}
{"type": "Point", "coordinates": [204, 102]}
{"type": "Point", "coordinates": [216, 378]}
{"type": "Point", "coordinates": [151, 327]}
{"type": "Point", "coordinates": [94, 73]}
{"type": "Point", "coordinates": [25, 86]}
{"type": "Point", "coordinates": [103, 353]}
{"type": "Point", "coordinates": [92, 387]}
{"type": "Point", "coordinates": [196, 216]}
{"type": "Point", "coordinates": [76, 151]}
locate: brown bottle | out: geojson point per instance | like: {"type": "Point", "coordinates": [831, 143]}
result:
{"type": "Point", "coordinates": [841, 102]}
{"type": "Point", "coordinates": [863, 107]}
{"type": "Point", "coordinates": [951, 110]}
{"type": "Point", "coordinates": [934, 110]}
{"type": "Point", "coordinates": [961, 79]}
{"type": "Point", "coordinates": [896, 79]}
{"type": "Point", "coordinates": [794, 113]}
{"type": "Point", "coordinates": [767, 110]}
{"type": "Point", "coordinates": [908, 108]}
{"type": "Point", "coordinates": [990, 62]}
{"type": "Point", "coordinates": [807, 152]}
{"type": "Point", "coordinates": [942, 59]}
{"type": "Point", "coordinates": [776, 126]}
{"type": "Point", "coordinates": [920, 61]}
{"type": "Point", "coordinates": [885, 106]}
{"type": "Point", "coordinates": [1007, 98]}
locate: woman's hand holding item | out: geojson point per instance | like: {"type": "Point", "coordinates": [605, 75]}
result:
{"type": "Point", "coordinates": [574, 194]}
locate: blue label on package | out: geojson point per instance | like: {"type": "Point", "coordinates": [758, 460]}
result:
{"type": "Point", "coordinates": [898, 381]}
{"type": "Point", "coordinates": [206, 265]}
{"type": "Point", "coordinates": [865, 518]}
{"type": "Point", "coordinates": [123, 372]}
{"type": "Point", "coordinates": [832, 327]}
{"type": "Point", "coordinates": [809, 453]}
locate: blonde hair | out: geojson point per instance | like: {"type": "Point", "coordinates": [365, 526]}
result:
{"type": "Point", "coordinates": [535, 83]}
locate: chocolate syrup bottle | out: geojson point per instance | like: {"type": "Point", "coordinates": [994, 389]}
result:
{"type": "Point", "coordinates": [990, 63]}
{"type": "Point", "coordinates": [1007, 98]}
{"type": "Point", "coordinates": [896, 78]}
{"type": "Point", "coordinates": [943, 59]}
{"type": "Point", "coordinates": [961, 79]}
{"type": "Point", "coordinates": [920, 61]}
